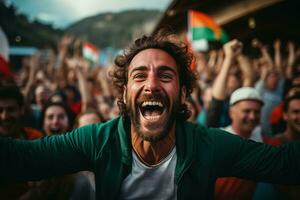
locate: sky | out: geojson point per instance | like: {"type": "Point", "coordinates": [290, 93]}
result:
{"type": "Point", "coordinates": [62, 13]}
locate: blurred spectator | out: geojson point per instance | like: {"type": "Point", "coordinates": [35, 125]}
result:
{"type": "Point", "coordinates": [56, 120]}
{"type": "Point", "coordinates": [226, 82]}
{"type": "Point", "coordinates": [206, 98]}
{"type": "Point", "coordinates": [271, 83]}
{"type": "Point", "coordinates": [11, 125]}
{"type": "Point", "coordinates": [277, 122]}
{"type": "Point", "coordinates": [12, 113]}
{"type": "Point", "coordinates": [291, 114]}
{"type": "Point", "coordinates": [191, 105]}
{"type": "Point", "coordinates": [41, 95]}
{"type": "Point", "coordinates": [89, 116]}
{"type": "Point", "coordinates": [245, 108]}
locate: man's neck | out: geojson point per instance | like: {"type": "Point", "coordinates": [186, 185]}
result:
{"type": "Point", "coordinates": [152, 153]}
{"type": "Point", "coordinates": [238, 131]}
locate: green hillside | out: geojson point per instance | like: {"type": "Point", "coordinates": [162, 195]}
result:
{"type": "Point", "coordinates": [104, 30]}
{"type": "Point", "coordinates": [115, 29]}
{"type": "Point", "coordinates": [23, 32]}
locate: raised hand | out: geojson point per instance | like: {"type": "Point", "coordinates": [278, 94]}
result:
{"type": "Point", "coordinates": [277, 44]}
{"type": "Point", "coordinates": [232, 49]}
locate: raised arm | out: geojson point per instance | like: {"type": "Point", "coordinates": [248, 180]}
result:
{"type": "Point", "coordinates": [247, 70]}
{"type": "Point", "coordinates": [49, 156]}
{"type": "Point", "coordinates": [33, 65]}
{"type": "Point", "coordinates": [219, 89]}
{"type": "Point", "coordinates": [290, 60]}
{"type": "Point", "coordinates": [264, 52]}
{"type": "Point", "coordinates": [80, 67]}
{"type": "Point", "coordinates": [256, 161]}
{"type": "Point", "coordinates": [277, 57]}
{"type": "Point", "coordinates": [231, 50]}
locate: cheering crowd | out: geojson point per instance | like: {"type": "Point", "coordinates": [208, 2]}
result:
{"type": "Point", "coordinates": [256, 98]}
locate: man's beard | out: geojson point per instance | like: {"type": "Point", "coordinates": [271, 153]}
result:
{"type": "Point", "coordinates": [172, 115]}
{"type": "Point", "coordinates": [10, 128]}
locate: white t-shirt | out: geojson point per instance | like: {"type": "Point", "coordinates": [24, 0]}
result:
{"type": "Point", "coordinates": [151, 182]}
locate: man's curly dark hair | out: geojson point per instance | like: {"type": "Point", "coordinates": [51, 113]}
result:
{"type": "Point", "coordinates": [163, 41]}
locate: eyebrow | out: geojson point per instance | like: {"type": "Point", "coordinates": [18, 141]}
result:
{"type": "Point", "coordinates": [167, 68]}
{"type": "Point", "coordinates": [140, 68]}
{"type": "Point", "coordinates": [160, 68]}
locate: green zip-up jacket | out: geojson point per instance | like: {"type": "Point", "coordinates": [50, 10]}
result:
{"type": "Point", "coordinates": [203, 154]}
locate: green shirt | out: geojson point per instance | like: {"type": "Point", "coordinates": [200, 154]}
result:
{"type": "Point", "coordinates": [203, 154]}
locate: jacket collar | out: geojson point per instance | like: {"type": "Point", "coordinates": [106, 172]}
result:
{"type": "Point", "coordinates": [185, 147]}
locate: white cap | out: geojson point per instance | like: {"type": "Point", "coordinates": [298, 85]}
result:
{"type": "Point", "coordinates": [245, 93]}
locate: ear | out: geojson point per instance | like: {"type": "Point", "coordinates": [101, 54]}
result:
{"type": "Point", "coordinates": [183, 94]}
{"type": "Point", "coordinates": [231, 112]}
{"type": "Point", "coordinates": [124, 94]}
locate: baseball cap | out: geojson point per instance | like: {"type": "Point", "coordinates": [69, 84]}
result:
{"type": "Point", "coordinates": [245, 93]}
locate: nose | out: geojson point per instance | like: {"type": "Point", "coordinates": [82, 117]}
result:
{"type": "Point", "coordinates": [253, 115]}
{"type": "Point", "coordinates": [55, 121]}
{"type": "Point", "coordinates": [152, 83]}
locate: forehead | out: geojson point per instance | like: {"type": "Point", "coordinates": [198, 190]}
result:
{"type": "Point", "coordinates": [153, 57]}
{"type": "Point", "coordinates": [248, 104]}
{"type": "Point", "coordinates": [294, 104]}
{"type": "Point", "coordinates": [55, 110]}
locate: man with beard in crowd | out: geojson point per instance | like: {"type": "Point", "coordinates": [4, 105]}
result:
{"type": "Point", "coordinates": [12, 112]}
{"type": "Point", "coordinates": [11, 116]}
{"type": "Point", "coordinates": [151, 152]}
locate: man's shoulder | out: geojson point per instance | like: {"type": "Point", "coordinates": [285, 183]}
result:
{"type": "Point", "coordinates": [200, 130]}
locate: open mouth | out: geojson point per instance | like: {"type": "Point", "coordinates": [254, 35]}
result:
{"type": "Point", "coordinates": [55, 130]}
{"type": "Point", "coordinates": [152, 110]}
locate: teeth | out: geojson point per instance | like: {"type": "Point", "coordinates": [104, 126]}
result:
{"type": "Point", "coordinates": [152, 117]}
{"type": "Point", "coordinates": [152, 103]}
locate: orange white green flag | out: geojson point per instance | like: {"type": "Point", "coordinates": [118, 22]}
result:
{"type": "Point", "coordinates": [90, 52]}
{"type": "Point", "coordinates": [203, 27]}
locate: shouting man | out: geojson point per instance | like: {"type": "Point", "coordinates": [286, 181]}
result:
{"type": "Point", "coordinates": [151, 152]}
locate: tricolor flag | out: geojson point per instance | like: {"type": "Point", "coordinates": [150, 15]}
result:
{"type": "Point", "coordinates": [202, 27]}
{"type": "Point", "coordinates": [90, 52]}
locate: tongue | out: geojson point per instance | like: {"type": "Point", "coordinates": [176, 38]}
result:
{"type": "Point", "coordinates": [152, 113]}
